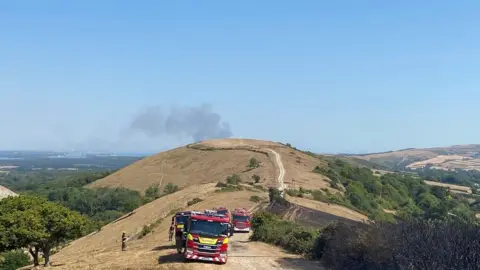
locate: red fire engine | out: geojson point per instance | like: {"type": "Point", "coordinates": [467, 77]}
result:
{"type": "Point", "coordinates": [241, 220]}
{"type": "Point", "coordinates": [207, 237]}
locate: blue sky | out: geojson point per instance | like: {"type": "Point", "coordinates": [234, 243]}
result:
{"type": "Point", "coordinates": [328, 76]}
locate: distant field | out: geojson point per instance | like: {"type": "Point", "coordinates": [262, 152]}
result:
{"type": "Point", "coordinates": [454, 188]}
{"type": "Point", "coordinates": [449, 162]}
{"type": "Point", "coordinates": [466, 157]}
{"type": "Point", "coordinates": [88, 163]}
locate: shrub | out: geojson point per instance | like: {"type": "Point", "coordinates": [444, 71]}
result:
{"type": "Point", "coordinates": [221, 185]}
{"type": "Point", "coordinates": [14, 259]}
{"type": "Point", "coordinates": [153, 191]}
{"type": "Point", "coordinates": [255, 198]}
{"type": "Point", "coordinates": [170, 188]}
{"type": "Point", "coordinates": [259, 187]}
{"type": "Point", "coordinates": [146, 230]}
{"type": "Point", "coordinates": [234, 179]}
{"type": "Point", "coordinates": [256, 178]}
{"type": "Point", "coordinates": [412, 244]}
{"type": "Point", "coordinates": [253, 163]}
{"type": "Point", "coordinates": [194, 201]}
{"type": "Point", "coordinates": [275, 196]}
{"type": "Point", "coordinates": [271, 229]}
{"type": "Point", "coordinates": [230, 188]}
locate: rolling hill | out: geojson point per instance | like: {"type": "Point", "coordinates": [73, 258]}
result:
{"type": "Point", "coordinates": [212, 161]}
{"type": "Point", "coordinates": [465, 157]}
{"type": "Point", "coordinates": [196, 168]}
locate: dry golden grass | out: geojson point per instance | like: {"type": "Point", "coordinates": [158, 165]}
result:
{"type": "Point", "coordinates": [332, 209]}
{"type": "Point", "coordinates": [422, 153]}
{"type": "Point", "coordinates": [154, 251]}
{"type": "Point", "coordinates": [195, 168]}
{"type": "Point", "coordinates": [450, 186]}
{"type": "Point", "coordinates": [214, 160]}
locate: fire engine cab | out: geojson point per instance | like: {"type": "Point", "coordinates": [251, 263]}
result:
{"type": "Point", "coordinates": [241, 220]}
{"type": "Point", "coordinates": [207, 237]}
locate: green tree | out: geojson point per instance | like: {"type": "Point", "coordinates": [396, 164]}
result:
{"type": "Point", "coordinates": [38, 225]}
{"type": "Point", "coordinates": [170, 188]}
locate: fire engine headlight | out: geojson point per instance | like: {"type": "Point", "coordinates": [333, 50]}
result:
{"type": "Point", "coordinates": [223, 254]}
{"type": "Point", "coordinates": [189, 250]}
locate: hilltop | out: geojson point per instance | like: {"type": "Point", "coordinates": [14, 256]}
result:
{"type": "Point", "coordinates": [214, 160]}
{"type": "Point", "coordinates": [465, 157]}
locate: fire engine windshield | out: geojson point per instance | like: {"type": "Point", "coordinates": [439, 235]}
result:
{"type": "Point", "coordinates": [207, 228]}
{"type": "Point", "coordinates": [241, 218]}
{"type": "Point", "coordinates": [222, 212]}
{"type": "Point", "coordinates": [181, 219]}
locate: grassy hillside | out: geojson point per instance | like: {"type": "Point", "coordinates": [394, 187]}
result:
{"type": "Point", "coordinates": [212, 161]}
{"type": "Point", "coordinates": [379, 196]}
{"type": "Point", "coordinates": [458, 156]}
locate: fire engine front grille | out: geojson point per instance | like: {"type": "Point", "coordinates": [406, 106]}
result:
{"type": "Point", "coordinates": [212, 249]}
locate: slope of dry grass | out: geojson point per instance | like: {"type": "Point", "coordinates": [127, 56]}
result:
{"type": "Point", "coordinates": [453, 157]}
{"type": "Point", "coordinates": [454, 188]}
{"type": "Point", "coordinates": [195, 168]}
{"type": "Point", "coordinates": [5, 192]}
{"type": "Point", "coordinates": [214, 160]}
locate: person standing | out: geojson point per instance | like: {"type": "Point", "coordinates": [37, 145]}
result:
{"type": "Point", "coordinates": [124, 241]}
{"type": "Point", "coordinates": [170, 233]}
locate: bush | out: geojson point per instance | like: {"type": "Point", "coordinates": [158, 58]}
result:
{"type": "Point", "coordinates": [412, 244]}
{"type": "Point", "coordinates": [256, 178]}
{"type": "Point", "coordinates": [255, 199]}
{"type": "Point", "coordinates": [276, 197]}
{"type": "Point", "coordinates": [14, 259]}
{"type": "Point", "coordinates": [194, 201]}
{"type": "Point", "coordinates": [259, 187]}
{"type": "Point", "coordinates": [170, 188]}
{"type": "Point", "coordinates": [271, 229]}
{"type": "Point", "coordinates": [146, 230]}
{"type": "Point", "coordinates": [253, 163]}
{"type": "Point", "coordinates": [230, 188]}
{"type": "Point", "coordinates": [221, 185]}
{"type": "Point", "coordinates": [153, 191]}
{"type": "Point", "coordinates": [234, 179]}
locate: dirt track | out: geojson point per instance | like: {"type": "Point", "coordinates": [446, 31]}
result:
{"type": "Point", "coordinates": [281, 170]}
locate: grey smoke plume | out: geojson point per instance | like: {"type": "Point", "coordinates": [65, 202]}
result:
{"type": "Point", "coordinates": [199, 123]}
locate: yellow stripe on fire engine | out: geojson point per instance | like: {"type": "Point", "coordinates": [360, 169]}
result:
{"type": "Point", "coordinates": [208, 241]}
{"type": "Point", "coordinates": [180, 226]}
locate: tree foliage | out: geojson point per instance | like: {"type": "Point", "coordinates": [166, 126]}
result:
{"type": "Point", "coordinates": [408, 195]}
{"type": "Point", "coordinates": [36, 224]}
{"type": "Point", "coordinates": [409, 244]}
